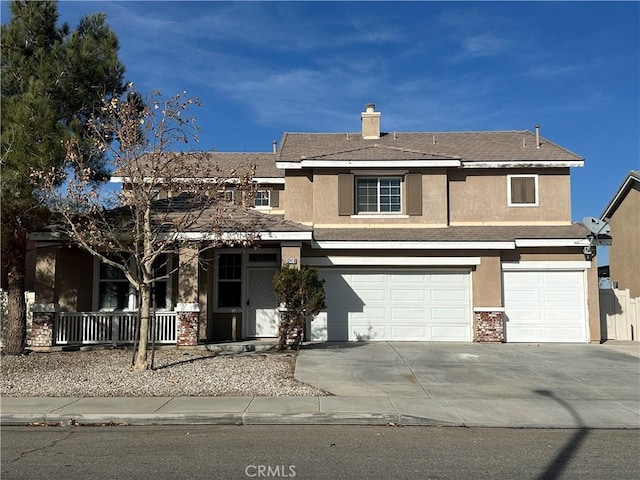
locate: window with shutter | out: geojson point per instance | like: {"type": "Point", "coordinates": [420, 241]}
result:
{"type": "Point", "coordinates": [522, 190]}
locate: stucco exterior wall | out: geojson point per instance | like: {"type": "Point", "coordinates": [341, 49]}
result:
{"type": "Point", "coordinates": [325, 201]}
{"type": "Point", "coordinates": [74, 280]}
{"type": "Point", "coordinates": [487, 281]}
{"type": "Point", "coordinates": [298, 201]}
{"type": "Point", "coordinates": [624, 253]}
{"type": "Point", "coordinates": [480, 196]}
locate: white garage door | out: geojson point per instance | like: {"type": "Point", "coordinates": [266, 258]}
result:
{"type": "Point", "coordinates": [544, 306]}
{"type": "Point", "coordinates": [397, 305]}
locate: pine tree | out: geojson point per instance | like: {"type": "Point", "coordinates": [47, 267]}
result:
{"type": "Point", "coordinates": [53, 81]}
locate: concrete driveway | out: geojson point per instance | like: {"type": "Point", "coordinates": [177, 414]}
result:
{"type": "Point", "coordinates": [474, 371]}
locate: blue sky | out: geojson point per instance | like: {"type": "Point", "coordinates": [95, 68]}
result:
{"type": "Point", "coordinates": [262, 68]}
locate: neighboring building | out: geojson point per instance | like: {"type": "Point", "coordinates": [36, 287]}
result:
{"type": "Point", "coordinates": [463, 236]}
{"type": "Point", "coordinates": [623, 215]}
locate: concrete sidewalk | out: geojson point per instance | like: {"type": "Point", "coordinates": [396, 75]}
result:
{"type": "Point", "coordinates": [403, 383]}
{"type": "Point", "coordinates": [545, 412]}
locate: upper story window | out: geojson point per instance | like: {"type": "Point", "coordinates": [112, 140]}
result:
{"type": "Point", "coordinates": [522, 190]}
{"type": "Point", "coordinates": [366, 194]}
{"type": "Point", "coordinates": [378, 195]}
{"type": "Point", "coordinates": [262, 199]}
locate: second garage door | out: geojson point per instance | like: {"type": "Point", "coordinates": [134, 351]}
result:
{"type": "Point", "coordinates": [545, 306]}
{"type": "Point", "coordinates": [412, 305]}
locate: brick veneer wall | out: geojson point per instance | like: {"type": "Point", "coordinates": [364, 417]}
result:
{"type": "Point", "coordinates": [43, 324]}
{"type": "Point", "coordinates": [489, 326]}
{"type": "Point", "coordinates": [188, 324]}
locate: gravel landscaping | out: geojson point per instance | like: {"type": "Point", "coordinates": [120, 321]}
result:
{"type": "Point", "coordinates": [106, 373]}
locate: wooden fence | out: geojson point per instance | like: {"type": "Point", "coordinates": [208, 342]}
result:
{"type": "Point", "coordinates": [619, 315]}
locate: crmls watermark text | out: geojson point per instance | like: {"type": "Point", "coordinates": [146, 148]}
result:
{"type": "Point", "coordinates": [270, 471]}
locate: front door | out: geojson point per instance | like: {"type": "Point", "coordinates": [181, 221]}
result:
{"type": "Point", "coordinates": [262, 305]}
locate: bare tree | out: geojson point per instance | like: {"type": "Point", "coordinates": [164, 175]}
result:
{"type": "Point", "coordinates": [167, 195]}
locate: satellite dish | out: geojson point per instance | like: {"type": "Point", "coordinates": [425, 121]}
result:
{"type": "Point", "coordinates": [597, 226]}
{"type": "Point", "coordinates": [600, 231]}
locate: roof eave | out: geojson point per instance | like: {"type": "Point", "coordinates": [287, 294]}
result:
{"type": "Point", "coordinates": [621, 192]}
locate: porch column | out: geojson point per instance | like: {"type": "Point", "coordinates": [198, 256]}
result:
{"type": "Point", "coordinates": [188, 308]}
{"type": "Point", "coordinates": [187, 315]}
{"type": "Point", "coordinates": [43, 325]}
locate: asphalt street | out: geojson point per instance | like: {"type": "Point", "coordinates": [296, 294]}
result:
{"type": "Point", "coordinates": [317, 452]}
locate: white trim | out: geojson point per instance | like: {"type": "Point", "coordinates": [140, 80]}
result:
{"type": "Point", "coordinates": [536, 202]}
{"type": "Point", "coordinates": [187, 307]}
{"type": "Point", "coordinates": [332, 260]}
{"type": "Point", "coordinates": [416, 245]}
{"type": "Point", "coordinates": [552, 242]}
{"type": "Point", "coordinates": [269, 180]}
{"type": "Point", "coordinates": [547, 265]}
{"type": "Point", "coordinates": [242, 236]}
{"type": "Point", "coordinates": [380, 173]}
{"type": "Point", "coordinates": [523, 164]}
{"type": "Point", "coordinates": [622, 191]}
{"type": "Point", "coordinates": [488, 309]}
{"type": "Point", "coordinates": [370, 215]}
{"type": "Point", "coordinates": [303, 163]}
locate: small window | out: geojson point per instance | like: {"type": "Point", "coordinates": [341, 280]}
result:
{"type": "Point", "coordinates": [262, 199]}
{"type": "Point", "coordinates": [378, 195]}
{"type": "Point", "coordinates": [229, 280]}
{"type": "Point", "coordinates": [523, 190]}
{"type": "Point", "coordinates": [226, 195]}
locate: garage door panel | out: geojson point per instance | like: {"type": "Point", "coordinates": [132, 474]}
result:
{"type": "Point", "coordinates": [408, 332]}
{"type": "Point", "coordinates": [448, 315]}
{"type": "Point", "coordinates": [407, 279]}
{"type": "Point", "coordinates": [448, 333]}
{"type": "Point", "coordinates": [367, 332]}
{"type": "Point", "coordinates": [562, 297]}
{"type": "Point", "coordinates": [524, 296]}
{"type": "Point", "coordinates": [366, 279]}
{"type": "Point", "coordinates": [397, 305]}
{"type": "Point", "coordinates": [524, 280]}
{"type": "Point", "coordinates": [450, 279]}
{"type": "Point", "coordinates": [372, 294]}
{"type": "Point", "coordinates": [447, 295]}
{"type": "Point", "coordinates": [408, 294]}
{"type": "Point", "coordinates": [403, 314]}
{"type": "Point", "coordinates": [544, 306]}
{"type": "Point", "coordinates": [369, 312]}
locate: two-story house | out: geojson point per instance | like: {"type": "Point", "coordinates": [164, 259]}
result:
{"type": "Point", "coordinates": [438, 236]}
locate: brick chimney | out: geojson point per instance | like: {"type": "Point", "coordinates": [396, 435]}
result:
{"type": "Point", "coordinates": [370, 122]}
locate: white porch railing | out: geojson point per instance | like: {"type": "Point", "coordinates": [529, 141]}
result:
{"type": "Point", "coordinates": [84, 328]}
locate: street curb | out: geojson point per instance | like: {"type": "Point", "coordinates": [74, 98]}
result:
{"type": "Point", "coordinates": [272, 419]}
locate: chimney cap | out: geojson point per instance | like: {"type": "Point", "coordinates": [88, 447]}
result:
{"type": "Point", "coordinates": [370, 107]}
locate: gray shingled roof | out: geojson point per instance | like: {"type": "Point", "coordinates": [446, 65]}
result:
{"type": "Point", "coordinates": [467, 146]}
{"type": "Point", "coordinates": [265, 162]}
{"type": "Point", "coordinates": [228, 161]}
{"type": "Point", "coordinates": [452, 234]}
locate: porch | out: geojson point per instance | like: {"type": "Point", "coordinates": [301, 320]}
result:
{"type": "Point", "coordinates": [51, 327]}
